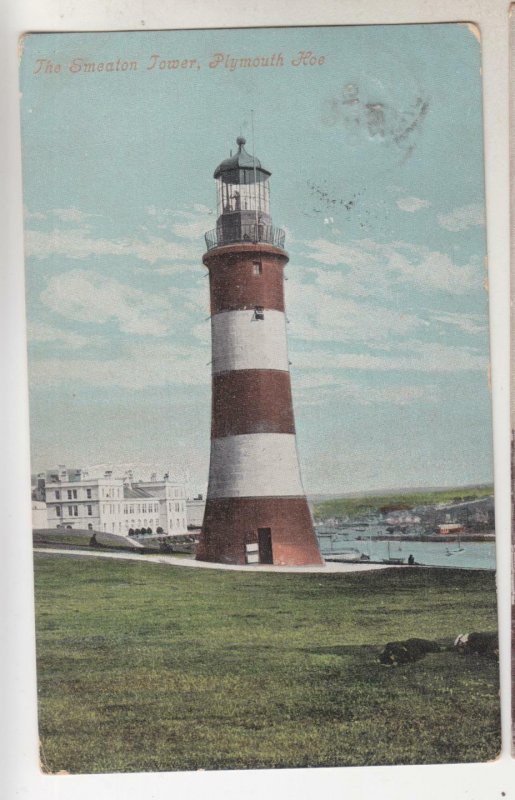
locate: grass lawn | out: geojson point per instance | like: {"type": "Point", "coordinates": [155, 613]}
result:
{"type": "Point", "coordinates": [147, 667]}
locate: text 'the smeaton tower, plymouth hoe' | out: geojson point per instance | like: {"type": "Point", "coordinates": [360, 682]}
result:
{"type": "Point", "coordinates": [256, 509]}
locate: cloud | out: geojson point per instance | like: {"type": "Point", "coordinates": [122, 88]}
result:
{"type": "Point", "coordinates": [72, 214]}
{"type": "Point", "coordinates": [189, 223]}
{"type": "Point", "coordinates": [87, 296]}
{"type": "Point", "coordinates": [373, 268]}
{"type": "Point", "coordinates": [193, 226]}
{"type": "Point", "coordinates": [411, 204]}
{"type": "Point", "coordinates": [33, 214]}
{"type": "Point", "coordinates": [468, 323]}
{"type": "Point", "coordinates": [77, 243]}
{"type": "Point", "coordinates": [141, 365]}
{"type": "Point", "coordinates": [41, 332]}
{"type": "Point", "coordinates": [462, 218]}
{"type": "Point", "coordinates": [417, 357]}
{"type": "Point", "coordinates": [330, 389]}
{"type": "Point", "coordinates": [320, 313]}
{"type": "Point", "coordinates": [362, 306]}
{"type": "Point", "coordinates": [179, 268]}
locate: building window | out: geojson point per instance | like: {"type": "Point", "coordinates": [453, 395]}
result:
{"type": "Point", "coordinates": [156, 507]}
{"type": "Point", "coordinates": [69, 492]}
{"type": "Point", "coordinates": [178, 522]}
{"type": "Point", "coordinates": [259, 312]}
{"type": "Point", "coordinates": [90, 511]}
{"type": "Point", "coordinates": [75, 494]}
{"type": "Point", "coordinates": [177, 506]}
{"type": "Point", "coordinates": [131, 510]}
{"type": "Point", "coordinates": [58, 511]}
{"type": "Point", "coordinates": [144, 508]}
{"type": "Point", "coordinates": [70, 511]}
{"type": "Point", "coordinates": [57, 494]}
{"type": "Point", "coordinates": [257, 268]}
{"type": "Point", "coordinates": [88, 494]}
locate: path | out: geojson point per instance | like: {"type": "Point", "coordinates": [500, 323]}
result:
{"type": "Point", "coordinates": [190, 562]}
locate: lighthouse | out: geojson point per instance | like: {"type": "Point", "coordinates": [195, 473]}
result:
{"type": "Point", "coordinates": [256, 508]}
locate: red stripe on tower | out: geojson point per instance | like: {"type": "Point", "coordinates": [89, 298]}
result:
{"type": "Point", "coordinates": [256, 509]}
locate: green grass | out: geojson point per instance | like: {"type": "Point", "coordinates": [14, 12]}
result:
{"type": "Point", "coordinates": [359, 506]}
{"type": "Point", "coordinates": [144, 667]}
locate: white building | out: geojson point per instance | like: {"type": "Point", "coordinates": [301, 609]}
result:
{"type": "Point", "coordinates": [116, 505]}
{"type": "Point", "coordinates": [195, 508]}
{"type": "Point", "coordinates": [39, 514]}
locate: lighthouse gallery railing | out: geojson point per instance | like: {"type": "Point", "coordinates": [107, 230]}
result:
{"type": "Point", "coordinates": [246, 233]}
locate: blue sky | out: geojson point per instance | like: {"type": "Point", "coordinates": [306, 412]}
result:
{"type": "Point", "coordinates": [377, 177]}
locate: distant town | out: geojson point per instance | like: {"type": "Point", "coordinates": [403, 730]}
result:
{"type": "Point", "coordinates": [425, 515]}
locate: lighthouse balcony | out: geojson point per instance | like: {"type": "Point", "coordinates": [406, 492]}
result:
{"type": "Point", "coordinates": [246, 232]}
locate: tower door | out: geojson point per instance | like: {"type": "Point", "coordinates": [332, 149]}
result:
{"type": "Point", "coordinates": [265, 545]}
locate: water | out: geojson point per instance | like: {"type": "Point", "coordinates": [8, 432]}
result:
{"type": "Point", "coordinates": [474, 555]}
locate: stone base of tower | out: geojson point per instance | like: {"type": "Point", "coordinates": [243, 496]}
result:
{"type": "Point", "coordinates": [280, 527]}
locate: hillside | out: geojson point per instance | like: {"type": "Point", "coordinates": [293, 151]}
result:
{"type": "Point", "coordinates": [353, 507]}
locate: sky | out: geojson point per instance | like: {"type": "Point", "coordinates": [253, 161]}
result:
{"type": "Point", "coordinates": [376, 154]}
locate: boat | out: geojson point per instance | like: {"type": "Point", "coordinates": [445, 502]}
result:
{"type": "Point", "coordinates": [454, 552]}
{"type": "Point", "coordinates": [458, 549]}
{"type": "Point", "coordinates": [350, 555]}
{"type": "Point", "coordinates": [395, 560]}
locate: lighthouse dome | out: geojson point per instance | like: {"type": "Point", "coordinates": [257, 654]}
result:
{"type": "Point", "coordinates": [241, 160]}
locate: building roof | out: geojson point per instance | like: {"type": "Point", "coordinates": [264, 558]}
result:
{"type": "Point", "coordinates": [241, 160]}
{"type": "Point", "coordinates": [135, 491]}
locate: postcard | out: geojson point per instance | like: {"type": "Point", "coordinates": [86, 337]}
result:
{"type": "Point", "coordinates": [262, 484]}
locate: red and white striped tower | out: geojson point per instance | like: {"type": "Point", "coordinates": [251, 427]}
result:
{"type": "Point", "coordinates": [256, 509]}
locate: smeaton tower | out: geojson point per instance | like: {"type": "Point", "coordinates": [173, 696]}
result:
{"type": "Point", "coordinates": [256, 509]}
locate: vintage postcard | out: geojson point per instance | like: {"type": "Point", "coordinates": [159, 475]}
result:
{"type": "Point", "coordinates": [262, 484]}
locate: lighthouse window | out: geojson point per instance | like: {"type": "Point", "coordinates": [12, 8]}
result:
{"type": "Point", "coordinates": [259, 312]}
{"type": "Point", "coordinates": [257, 268]}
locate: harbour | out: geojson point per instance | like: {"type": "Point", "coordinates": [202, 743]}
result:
{"type": "Point", "coordinates": [425, 551]}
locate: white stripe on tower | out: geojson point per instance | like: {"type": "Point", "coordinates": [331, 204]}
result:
{"type": "Point", "coordinates": [255, 465]}
{"type": "Point", "coordinates": [242, 342]}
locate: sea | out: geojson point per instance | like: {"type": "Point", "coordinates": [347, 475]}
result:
{"type": "Point", "coordinates": [466, 555]}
